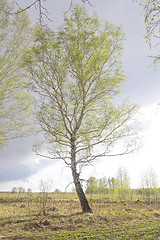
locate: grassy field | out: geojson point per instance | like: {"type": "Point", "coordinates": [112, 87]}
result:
{"type": "Point", "coordinates": [22, 217]}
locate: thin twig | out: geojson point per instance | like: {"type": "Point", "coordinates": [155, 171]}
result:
{"type": "Point", "coordinates": [24, 9]}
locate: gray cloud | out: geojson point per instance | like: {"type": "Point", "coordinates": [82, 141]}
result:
{"type": "Point", "coordinates": [20, 171]}
{"type": "Point", "coordinates": [18, 162]}
{"type": "Point", "coordinates": [16, 172]}
{"type": "Point", "coordinates": [17, 150]}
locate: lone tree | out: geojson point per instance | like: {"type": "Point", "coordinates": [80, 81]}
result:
{"type": "Point", "coordinates": [75, 74]}
{"type": "Point", "coordinates": [14, 99]}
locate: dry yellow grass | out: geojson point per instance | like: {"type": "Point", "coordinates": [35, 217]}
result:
{"type": "Point", "coordinates": [24, 219]}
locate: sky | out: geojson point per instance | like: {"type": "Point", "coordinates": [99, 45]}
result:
{"type": "Point", "coordinates": [19, 166]}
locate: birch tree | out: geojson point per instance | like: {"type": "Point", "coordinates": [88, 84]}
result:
{"type": "Point", "coordinates": [76, 73]}
{"type": "Point", "coordinates": [14, 99]}
{"type": "Point", "coordinates": [151, 11]}
{"type": "Point", "coordinates": [122, 183]}
{"type": "Point", "coordinates": [149, 183]}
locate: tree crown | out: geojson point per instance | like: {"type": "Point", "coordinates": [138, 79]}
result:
{"type": "Point", "coordinates": [76, 73]}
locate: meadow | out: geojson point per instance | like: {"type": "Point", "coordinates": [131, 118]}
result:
{"type": "Point", "coordinates": [59, 216]}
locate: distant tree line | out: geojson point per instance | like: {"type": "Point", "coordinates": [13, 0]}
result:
{"type": "Point", "coordinates": [120, 185]}
{"type": "Point", "coordinates": [21, 190]}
